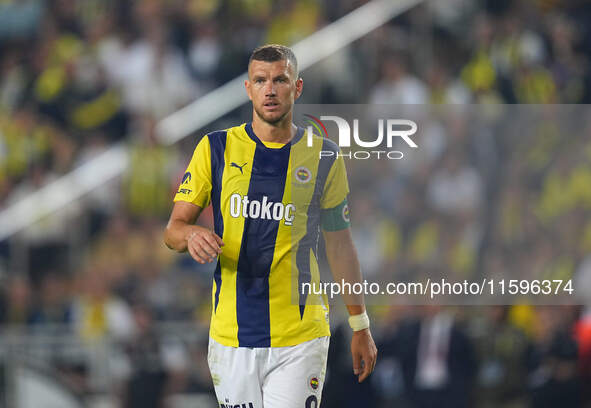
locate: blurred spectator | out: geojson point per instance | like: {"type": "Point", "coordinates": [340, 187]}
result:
{"type": "Point", "coordinates": [554, 377]}
{"type": "Point", "coordinates": [437, 359]}
{"type": "Point", "coordinates": [503, 352]}
{"type": "Point", "coordinates": [46, 241]}
{"type": "Point", "coordinates": [53, 304]}
{"type": "Point", "coordinates": [398, 85]}
{"type": "Point", "coordinates": [456, 188]}
{"type": "Point", "coordinates": [146, 187]}
{"type": "Point", "coordinates": [444, 89]}
{"type": "Point", "coordinates": [205, 53]}
{"type": "Point", "coordinates": [15, 302]}
{"type": "Point", "coordinates": [479, 73]}
{"type": "Point", "coordinates": [98, 313]}
{"type": "Point", "coordinates": [151, 74]}
{"type": "Point", "coordinates": [156, 367]}
{"type": "Point", "coordinates": [367, 238]}
{"type": "Point", "coordinates": [293, 21]}
{"type": "Point", "coordinates": [104, 202]}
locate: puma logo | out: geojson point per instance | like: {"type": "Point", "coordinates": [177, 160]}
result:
{"type": "Point", "coordinates": [233, 164]}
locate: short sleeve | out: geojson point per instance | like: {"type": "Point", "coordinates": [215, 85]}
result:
{"type": "Point", "coordinates": [196, 183]}
{"type": "Point", "coordinates": [336, 188]}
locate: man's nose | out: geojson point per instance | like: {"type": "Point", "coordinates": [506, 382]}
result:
{"type": "Point", "coordinates": [270, 89]}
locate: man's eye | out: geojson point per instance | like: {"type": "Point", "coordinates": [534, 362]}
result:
{"type": "Point", "coordinates": [258, 81]}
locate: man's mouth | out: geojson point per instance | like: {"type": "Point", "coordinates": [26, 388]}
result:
{"type": "Point", "coordinates": [270, 104]}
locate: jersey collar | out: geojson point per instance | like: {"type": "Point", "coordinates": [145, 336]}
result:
{"type": "Point", "coordinates": [294, 140]}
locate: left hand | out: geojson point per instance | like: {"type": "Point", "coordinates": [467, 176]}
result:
{"type": "Point", "coordinates": [364, 353]}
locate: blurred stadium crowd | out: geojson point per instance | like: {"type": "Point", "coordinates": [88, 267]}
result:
{"type": "Point", "coordinates": [79, 76]}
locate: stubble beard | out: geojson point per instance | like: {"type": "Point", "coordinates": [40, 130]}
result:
{"type": "Point", "coordinates": [273, 122]}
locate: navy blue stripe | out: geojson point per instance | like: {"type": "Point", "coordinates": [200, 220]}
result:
{"type": "Point", "coordinates": [217, 144]}
{"type": "Point", "coordinates": [310, 240]}
{"type": "Point", "coordinates": [268, 174]}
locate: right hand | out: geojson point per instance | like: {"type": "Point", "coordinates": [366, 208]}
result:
{"type": "Point", "coordinates": [364, 352]}
{"type": "Point", "coordinates": [203, 244]}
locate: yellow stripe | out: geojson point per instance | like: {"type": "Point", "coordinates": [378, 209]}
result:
{"type": "Point", "coordinates": [287, 328]}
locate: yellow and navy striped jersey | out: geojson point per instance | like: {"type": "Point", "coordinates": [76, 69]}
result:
{"type": "Point", "coordinates": [268, 200]}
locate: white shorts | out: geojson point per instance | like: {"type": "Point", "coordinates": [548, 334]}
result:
{"type": "Point", "coordinates": [269, 377]}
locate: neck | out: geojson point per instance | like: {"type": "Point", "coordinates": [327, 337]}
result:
{"type": "Point", "coordinates": [281, 132]}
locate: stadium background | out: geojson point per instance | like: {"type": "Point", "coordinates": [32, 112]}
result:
{"type": "Point", "coordinates": [92, 305]}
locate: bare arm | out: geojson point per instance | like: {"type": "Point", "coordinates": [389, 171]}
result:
{"type": "Point", "coordinates": [342, 258]}
{"type": "Point", "coordinates": [181, 234]}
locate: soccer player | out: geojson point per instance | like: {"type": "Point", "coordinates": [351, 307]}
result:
{"type": "Point", "coordinates": [271, 194]}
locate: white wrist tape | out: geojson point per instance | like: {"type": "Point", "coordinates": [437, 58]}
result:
{"type": "Point", "coordinates": [359, 322]}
